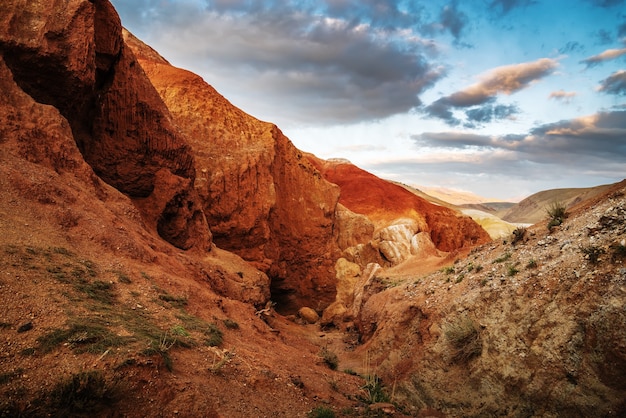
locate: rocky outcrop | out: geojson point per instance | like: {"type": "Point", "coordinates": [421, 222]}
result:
{"type": "Point", "coordinates": [262, 198]}
{"type": "Point", "coordinates": [384, 202]}
{"type": "Point", "coordinates": [74, 59]}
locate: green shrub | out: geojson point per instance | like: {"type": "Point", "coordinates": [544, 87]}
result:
{"type": "Point", "coordinates": [463, 335]}
{"type": "Point", "coordinates": [532, 263]}
{"type": "Point", "coordinates": [373, 390]}
{"type": "Point", "coordinates": [557, 213]}
{"type": "Point", "coordinates": [504, 257]}
{"type": "Point", "coordinates": [511, 271]}
{"type": "Point", "coordinates": [214, 335]}
{"type": "Point", "coordinates": [321, 412]}
{"type": "Point", "coordinates": [449, 270]}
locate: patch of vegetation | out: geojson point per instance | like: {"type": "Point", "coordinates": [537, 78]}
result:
{"type": "Point", "coordinates": [5, 325]}
{"type": "Point", "coordinates": [478, 268]}
{"type": "Point", "coordinates": [449, 270]}
{"type": "Point", "coordinates": [176, 301]}
{"type": "Point", "coordinates": [213, 335]}
{"type": "Point", "coordinates": [592, 252]}
{"type": "Point", "coordinates": [123, 277]}
{"type": "Point", "coordinates": [469, 267]}
{"type": "Point", "coordinates": [504, 257]}
{"type": "Point", "coordinates": [373, 390]}
{"type": "Point", "coordinates": [321, 412]}
{"type": "Point", "coordinates": [230, 324]}
{"type": "Point", "coordinates": [618, 251]}
{"type": "Point", "coordinates": [460, 278]}
{"type": "Point", "coordinates": [556, 213]}
{"type": "Point", "coordinates": [83, 336]}
{"type": "Point", "coordinates": [84, 393]}
{"type": "Point", "coordinates": [463, 336]}
{"type": "Point", "coordinates": [330, 358]}
{"type": "Point", "coordinates": [179, 330]}
{"type": "Point", "coordinates": [350, 372]}
{"type": "Point", "coordinates": [97, 290]}
{"type": "Point", "coordinates": [512, 270]}
{"type": "Point", "coordinates": [518, 234]}
{"type": "Point", "coordinates": [532, 264]}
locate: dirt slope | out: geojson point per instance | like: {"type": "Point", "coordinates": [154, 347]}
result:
{"type": "Point", "coordinates": [530, 329]}
{"type": "Point", "coordinates": [533, 209]}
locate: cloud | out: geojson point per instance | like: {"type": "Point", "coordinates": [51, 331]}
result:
{"type": "Point", "coordinates": [609, 54]}
{"type": "Point", "coordinates": [453, 20]}
{"type": "Point", "coordinates": [490, 113]}
{"type": "Point", "coordinates": [501, 80]}
{"type": "Point", "coordinates": [598, 136]}
{"type": "Point", "coordinates": [505, 6]}
{"type": "Point", "coordinates": [571, 46]}
{"type": "Point", "coordinates": [621, 29]}
{"type": "Point", "coordinates": [606, 3]}
{"type": "Point", "coordinates": [614, 84]}
{"type": "Point", "coordinates": [338, 62]}
{"type": "Point", "coordinates": [562, 95]}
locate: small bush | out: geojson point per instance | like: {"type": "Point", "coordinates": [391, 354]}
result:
{"type": "Point", "coordinates": [518, 234]}
{"type": "Point", "coordinates": [214, 335]}
{"type": "Point", "coordinates": [532, 263]}
{"type": "Point", "coordinates": [449, 270]}
{"type": "Point", "coordinates": [374, 390]}
{"type": "Point", "coordinates": [176, 301]}
{"type": "Point", "coordinates": [321, 412]}
{"type": "Point", "coordinates": [464, 338]}
{"type": "Point", "coordinates": [478, 268]}
{"type": "Point", "coordinates": [230, 324]}
{"type": "Point", "coordinates": [330, 358]}
{"type": "Point", "coordinates": [593, 253]}
{"type": "Point", "coordinates": [98, 290]}
{"type": "Point", "coordinates": [557, 213]}
{"type": "Point", "coordinates": [504, 257]}
{"type": "Point", "coordinates": [511, 271]}
{"type": "Point", "coordinates": [83, 393]}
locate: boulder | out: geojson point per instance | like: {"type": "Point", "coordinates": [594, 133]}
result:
{"type": "Point", "coordinates": [308, 314]}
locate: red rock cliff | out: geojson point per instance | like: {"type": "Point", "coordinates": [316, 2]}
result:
{"type": "Point", "coordinates": [74, 58]}
{"type": "Point", "coordinates": [383, 202]}
{"type": "Point", "coordinates": [262, 198]}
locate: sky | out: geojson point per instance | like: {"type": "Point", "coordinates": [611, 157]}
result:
{"type": "Point", "coordinates": [502, 98]}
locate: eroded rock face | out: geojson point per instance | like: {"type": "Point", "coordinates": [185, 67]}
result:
{"type": "Point", "coordinates": [385, 202]}
{"type": "Point", "coordinates": [262, 198]}
{"type": "Point", "coordinates": [74, 58]}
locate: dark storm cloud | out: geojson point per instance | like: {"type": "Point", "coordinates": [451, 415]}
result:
{"type": "Point", "coordinates": [614, 84]}
{"type": "Point", "coordinates": [337, 61]}
{"type": "Point", "coordinates": [501, 80]}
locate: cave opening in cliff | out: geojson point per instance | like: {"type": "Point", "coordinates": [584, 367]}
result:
{"type": "Point", "coordinates": [283, 298]}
